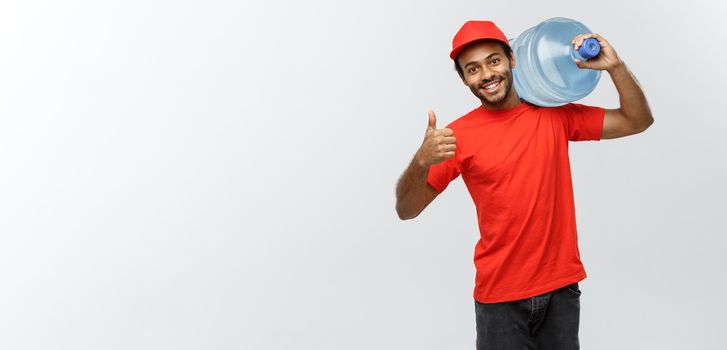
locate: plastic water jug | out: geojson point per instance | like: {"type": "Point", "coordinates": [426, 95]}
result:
{"type": "Point", "coordinates": [545, 72]}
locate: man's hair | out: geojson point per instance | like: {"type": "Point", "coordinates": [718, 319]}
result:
{"type": "Point", "coordinates": [506, 48]}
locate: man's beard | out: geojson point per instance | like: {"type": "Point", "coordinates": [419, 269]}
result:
{"type": "Point", "coordinates": [505, 91]}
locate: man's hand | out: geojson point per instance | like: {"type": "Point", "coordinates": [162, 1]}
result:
{"type": "Point", "coordinates": [634, 115]}
{"type": "Point", "coordinates": [438, 145]}
{"type": "Point", "coordinates": [607, 59]}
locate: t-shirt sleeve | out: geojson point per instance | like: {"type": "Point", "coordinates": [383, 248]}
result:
{"type": "Point", "coordinates": [441, 174]}
{"type": "Point", "coordinates": [583, 123]}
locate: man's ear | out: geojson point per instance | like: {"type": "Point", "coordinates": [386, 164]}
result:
{"type": "Point", "coordinates": [461, 75]}
{"type": "Point", "coordinates": [512, 60]}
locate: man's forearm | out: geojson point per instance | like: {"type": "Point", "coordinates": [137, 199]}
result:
{"type": "Point", "coordinates": [632, 99]}
{"type": "Point", "coordinates": [411, 190]}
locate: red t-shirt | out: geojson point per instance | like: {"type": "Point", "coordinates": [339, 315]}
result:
{"type": "Point", "coordinates": [516, 168]}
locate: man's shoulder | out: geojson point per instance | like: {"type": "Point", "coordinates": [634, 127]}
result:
{"type": "Point", "coordinates": [464, 119]}
{"type": "Point", "coordinates": [571, 109]}
{"type": "Point", "coordinates": [572, 106]}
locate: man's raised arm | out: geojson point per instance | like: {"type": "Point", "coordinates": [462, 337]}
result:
{"type": "Point", "coordinates": [634, 114]}
{"type": "Point", "coordinates": [413, 193]}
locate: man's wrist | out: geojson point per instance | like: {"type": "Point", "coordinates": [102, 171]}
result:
{"type": "Point", "coordinates": [618, 68]}
{"type": "Point", "coordinates": [419, 163]}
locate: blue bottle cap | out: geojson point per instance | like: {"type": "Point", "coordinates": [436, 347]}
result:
{"type": "Point", "coordinates": [589, 49]}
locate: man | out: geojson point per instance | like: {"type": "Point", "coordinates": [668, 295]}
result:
{"type": "Point", "coordinates": [513, 158]}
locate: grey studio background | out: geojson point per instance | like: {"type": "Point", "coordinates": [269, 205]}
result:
{"type": "Point", "coordinates": [221, 175]}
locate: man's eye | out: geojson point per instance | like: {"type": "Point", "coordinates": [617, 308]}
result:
{"type": "Point", "coordinates": [473, 69]}
{"type": "Point", "coordinates": [495, 60]}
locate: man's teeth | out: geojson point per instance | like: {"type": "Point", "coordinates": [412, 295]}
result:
{"type": "Point", "coordinates": [492, 85]}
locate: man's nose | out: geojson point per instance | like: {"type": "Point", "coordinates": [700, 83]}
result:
{"type": "Point", "coordinates": [487, 74]}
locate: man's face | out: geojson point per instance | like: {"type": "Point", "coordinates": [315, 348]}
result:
{"type": "Point", "coordinates": [487, 71]}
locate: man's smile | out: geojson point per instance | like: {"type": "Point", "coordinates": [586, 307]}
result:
{"type": "Point", "coordinates": [492, 87]}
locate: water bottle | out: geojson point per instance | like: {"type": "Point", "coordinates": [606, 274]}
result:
{"type": "Point", "coordinates": [545, 73]}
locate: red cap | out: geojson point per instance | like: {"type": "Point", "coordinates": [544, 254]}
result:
{"type": "Point", "coordinates": [475, 30]}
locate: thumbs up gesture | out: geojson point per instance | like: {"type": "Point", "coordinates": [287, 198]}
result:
{"type": "Point", "coordinates": [438, 146]}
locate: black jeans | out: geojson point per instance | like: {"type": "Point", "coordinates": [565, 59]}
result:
{"type": "Point", "coordinates": [543, 322]}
